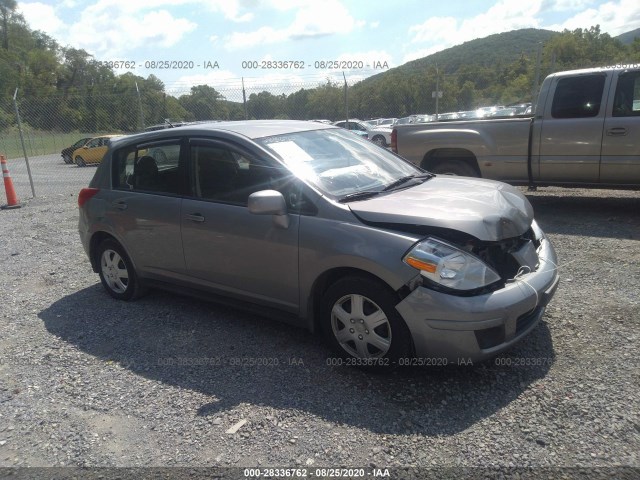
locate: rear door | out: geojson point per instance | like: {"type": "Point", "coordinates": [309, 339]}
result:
{"type": "Point", "coordinates": [228, 249]}
{"type": "Point", "coordinates": [571, 133]}
{"type": "Point", "coordinates": [621, 142]}
{"type": "Point", "coordinates": [145, 203]}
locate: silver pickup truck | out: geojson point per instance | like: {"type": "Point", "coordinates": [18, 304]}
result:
{"type": "Point", "coordinates": [585, 132]}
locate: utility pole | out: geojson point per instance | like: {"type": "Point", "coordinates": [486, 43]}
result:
{"type": "Point", "coordinates": [534, 90]}
{"type": "Point", "coordinates": [437, 90]}
{"type": "Point", "coordinates": [437, 94]}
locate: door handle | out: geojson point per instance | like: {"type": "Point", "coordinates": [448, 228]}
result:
{"type": "Point", "coordinates": [119, 205]}
{"type": "Point", "coordinates": [195, 217]}
{"type": "Point", "coordinates": [617, 132]}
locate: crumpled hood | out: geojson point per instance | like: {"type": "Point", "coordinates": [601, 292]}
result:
{"type": "Point", "coordinates": [486, 209]}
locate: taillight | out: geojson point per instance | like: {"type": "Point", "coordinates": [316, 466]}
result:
{"type": "Point", "coordinates": [85, 194]}
{"type": "Point", "coordinates": [394, 140]}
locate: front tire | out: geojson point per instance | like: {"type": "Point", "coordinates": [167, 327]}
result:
{"type": "Point", "coordinates": [116, 271]}
{"type": "Point", "coordinates": [379, 140]}
{"type": "Point", "coordinates": [360, 321]}
{"type": "Point", "coordinates": [80, 161]}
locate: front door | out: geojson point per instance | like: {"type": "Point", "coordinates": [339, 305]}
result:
{"type": "Point", "coordinates": [571, 133]}
{"type": "Point", "coordinates": [228, 249]}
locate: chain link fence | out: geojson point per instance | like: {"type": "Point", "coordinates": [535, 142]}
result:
{"type": "Point", "coordinates": [34, 131]}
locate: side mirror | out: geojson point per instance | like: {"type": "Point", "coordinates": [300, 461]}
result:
{"type": "Point", "coordinates": [269, 202]}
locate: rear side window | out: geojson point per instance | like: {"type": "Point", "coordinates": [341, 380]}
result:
{"type": "Point", "coordinates": [578, 97]}
{"type": "Point", "coordinates": [626, 102]}
{"type": "Point", "coordinates": [150, 168]}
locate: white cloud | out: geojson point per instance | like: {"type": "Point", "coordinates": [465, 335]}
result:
{"type": "Point", "coordinates": [41, 17]}
{"type": "Point", "coordinates": [229, 8]}
{"type": "Point", "coordinates": [312, 19]}
{"type": "Point", "coordinates": [230, 84]}
{"type": "Point", "coordinates": [423, 52]}
{"type": "Point", "coordinates": [614, 17]}
{"type": "Point", "coordinates": [435, 29]}
{"type": "Point", "coordinates": [125, 31]}
{"type": "Point", "coordinates": [109, 28]}
{"type": "Point", "coordinates": [565, 5]}
{"type": "Point", "coordinates": [504, 16]}
{"type": "Point", "coordinates": [261, 36]}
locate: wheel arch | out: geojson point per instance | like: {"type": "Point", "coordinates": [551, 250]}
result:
{"type": "Point", "coordinates": [96, 239]}
{"type": "Point", "coordinates": [438, 155]}
{"type": "Point", "coordinates": [329, 277]}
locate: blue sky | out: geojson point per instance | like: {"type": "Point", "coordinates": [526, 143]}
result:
{"type": "Point", "coordinates": [231, 32]}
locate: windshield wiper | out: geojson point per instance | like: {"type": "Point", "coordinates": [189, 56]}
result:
{"type": "Point", "coordinates": [403, 180]}
{"type": "Point", "coordinates": [359, 195]}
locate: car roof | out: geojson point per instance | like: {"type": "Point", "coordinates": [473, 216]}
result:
{"type": "Point", "coordinates": [252, 129]}
{"type": "Point", "coordinates": [108, 136]}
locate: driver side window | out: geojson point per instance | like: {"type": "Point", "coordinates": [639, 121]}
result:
{"type": "Point", "coordinates": [227, 175]}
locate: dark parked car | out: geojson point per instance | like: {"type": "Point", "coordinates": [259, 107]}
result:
{"type": "Point", "coordinates": [328, 230]}
{"type": "Point", "coordinates": [68, 152]}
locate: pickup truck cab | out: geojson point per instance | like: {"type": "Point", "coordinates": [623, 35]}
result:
{"type": "Point", "coordinates": [584, 132]}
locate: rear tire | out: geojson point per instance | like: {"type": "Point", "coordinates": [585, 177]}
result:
{"type": "Point", "coordinates": [454, 167]}
{"type": "Point", "coordinates": [361, 323]}
{"type": "Point", "coordinates": [116, 271]}
{"type": "Point", "coordinates": [67, 159]}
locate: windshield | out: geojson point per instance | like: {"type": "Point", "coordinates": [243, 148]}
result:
{"type": "Point", "coordinates": [337, 162]}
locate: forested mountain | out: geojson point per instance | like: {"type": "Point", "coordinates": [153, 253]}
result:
{"type": "Point", "coordinates": [501, 48]}
{"type": "Point", "coordinates": [628, 37]}
{"type": "Point", "coordinates": [497, 69]}
{"type": "Point", "coordinates": [66, 89]}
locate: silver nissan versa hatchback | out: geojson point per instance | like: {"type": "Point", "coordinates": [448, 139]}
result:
{"type": "Point", "coordinates": [330, 231]}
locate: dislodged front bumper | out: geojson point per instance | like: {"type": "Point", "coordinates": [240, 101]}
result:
{"type": "Point", "coordinates": [475, 328]}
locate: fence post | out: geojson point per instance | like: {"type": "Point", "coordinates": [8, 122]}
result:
{"type": "Point", "coordinates": [24, 150]}
{"type": "Point", "coordinates": [346, 99]}
{"type": "Point", "coordinates": [140, 108]}
{"type": "Point", "coordinates": [244, 101]}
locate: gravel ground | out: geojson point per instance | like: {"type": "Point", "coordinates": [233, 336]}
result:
{"type": "Point", "coordinates": [89, 381]}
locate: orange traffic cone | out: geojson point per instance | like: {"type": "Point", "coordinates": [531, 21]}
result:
{"type": "Point", "coordinates": [12, 198]}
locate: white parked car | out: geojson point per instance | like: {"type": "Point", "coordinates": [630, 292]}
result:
{"type": "Point", "coordinates": [379, 135]}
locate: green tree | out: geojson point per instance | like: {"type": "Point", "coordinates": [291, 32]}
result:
{"type": "Point", "coordinates": [265, 105]}
{"type": "Point", "coordinates": [7, 8]}
{"type": "Point", "coordinates": [204, 103]}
